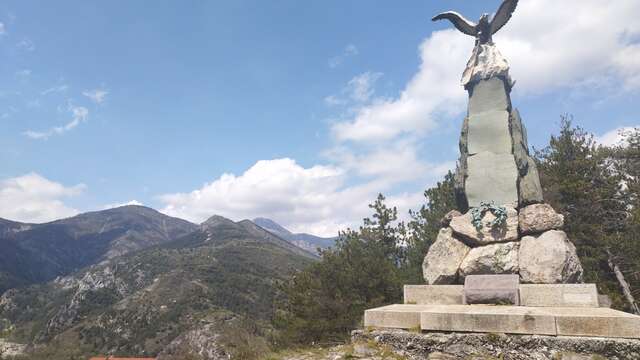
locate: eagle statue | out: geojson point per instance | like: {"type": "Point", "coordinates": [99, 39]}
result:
{"type": "Point", "coordinates": [485, 27]}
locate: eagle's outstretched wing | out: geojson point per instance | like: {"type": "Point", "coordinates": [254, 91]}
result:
{"type": "Point", "coordinates": [503, 15]}
{"type": "Point", "coordinates": [462, 24]}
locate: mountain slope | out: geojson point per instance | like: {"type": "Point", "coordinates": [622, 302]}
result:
{"type": "Point", "coordinates": [308, 242]}
{"type": "Point", "coordinates": [218, 282]}
{"type": "Point", "coordinates": [31, 253]}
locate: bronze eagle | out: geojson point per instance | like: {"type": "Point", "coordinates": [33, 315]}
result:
{"type": "Point", "coordinates": [485, 27]}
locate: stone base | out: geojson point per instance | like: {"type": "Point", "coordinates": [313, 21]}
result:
{"type": "Point", "coordinates": [563, 321]}
{"type": "Point", "coordinates": [542, 295]}
{"type": "Point", "coordinates": [453, 346]}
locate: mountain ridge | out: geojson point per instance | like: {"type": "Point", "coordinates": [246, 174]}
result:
{"type": "Point", "coordinates": [305, 241]}
{"type": "Point", "coordinates": [31, 253]}
{"type": "Point", "coordinates": [209, 282]}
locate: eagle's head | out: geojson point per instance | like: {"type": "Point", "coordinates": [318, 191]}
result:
{"type": "Point", "coordinates": [484, 19]}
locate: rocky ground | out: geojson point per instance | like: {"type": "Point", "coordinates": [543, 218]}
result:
{"type": "Point", "coordinates": [359, 350]}
{"type": "Point", "coordinates": [453, 346]}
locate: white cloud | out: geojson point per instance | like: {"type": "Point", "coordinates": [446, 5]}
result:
{"type": "Point", "coordinates": [79, 114]}
{"type": "Point", "coordinates": [349, 51]}
{"type": "Point", "coordinates": [358, 90]}
{"type": "Point", "coordinates": [615, 137]}
{"type": "Point", "coordinates": [435, 88]}
{"type": "Point", "coordinates": [26, 44]}
{"type": "Point", "coordinates": [25, 73]}
{"type": "Point", "coordinates": [116, 205]}
{"type": "Point", "coordinates": [361, 87]}
{"type": "Point", "coordinates": [551, 45]}
{"type": "Point", "coordinates": [3, 30]}
{"type": "Point", "coordinates": [33, 198]}
{"type": "Point", "coordinates": [390, 163]}
{"type": "Point", "coordinates": [55, 89]}
{"type": "Point", "coordinates": [314, 199]}
{"type": "Point", "coordinates": [98, 96]}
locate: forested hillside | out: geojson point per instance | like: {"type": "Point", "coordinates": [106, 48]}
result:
{"type": "Point", "coordinates": [209, 291]}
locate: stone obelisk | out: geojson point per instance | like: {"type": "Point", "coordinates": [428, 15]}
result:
{"type": "Point", "coordinates": [494, 165]}
{"type": "Point", "coordinates": [506, 227]}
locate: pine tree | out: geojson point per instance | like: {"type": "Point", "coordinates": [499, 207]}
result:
{"type": "Point", "coordinates": [579, 182]}
{"type": "Point", "coordinates": [425, 225]}
{"type": "Point", "coordinates": [325, 301]}
{"type": "Point", "coordinates": [625, 251]}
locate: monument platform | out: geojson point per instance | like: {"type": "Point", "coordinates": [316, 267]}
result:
{"type": "Point", "coordinates": [556, 321]}
{"type": "Point", "coordinates": [545, 309]}
{"type": "Point", "coordinates": [536, 295]}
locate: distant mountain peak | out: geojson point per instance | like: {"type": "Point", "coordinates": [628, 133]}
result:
{"type": "Point", "coordinates": [217, 220]}
{"type": "Point", "coordinates": [271, 226]}
{"type": "Point", "coordinates": [308, 242]}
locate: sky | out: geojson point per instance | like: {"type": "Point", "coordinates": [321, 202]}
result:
{"type": "Point", "coordinates": [297, 111]}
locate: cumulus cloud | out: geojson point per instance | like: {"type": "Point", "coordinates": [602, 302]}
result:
{"type": "Point", "coordinates": [616, 136]}
{"type": "Point", "coordinates": [349, 51]}
{"type": "Point", "coordinates": [98, 96]}
{"type": "Point", "coordinates": [435, 88]}
{"type": "Point", "coordinates": [314, 199]}
{"type": "Point", "coordinates": [33, 198]}
{"type": "Point", "coordinates": [79, 114]}
{"type": "Point", "coordinates": [578, 44]}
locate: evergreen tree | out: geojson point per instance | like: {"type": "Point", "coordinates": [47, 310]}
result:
{"type": "Point", "coordinates": [625, 250]}
{"type": "Point", "coordinates": [327, 300]}
{"type": "Point", "coordinates": [579, 182]}
{"type": "Point", "coordinates": [425, 225]}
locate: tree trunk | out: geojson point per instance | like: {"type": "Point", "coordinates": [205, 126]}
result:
{"type": "Point", "coordinates": [626, 289]}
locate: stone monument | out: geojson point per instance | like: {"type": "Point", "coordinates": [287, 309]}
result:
{"type": "Point", "coordinates": [502, 264]}
{"type": "Point", "coordinates": [496, 175]}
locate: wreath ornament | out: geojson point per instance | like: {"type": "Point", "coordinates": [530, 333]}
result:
{"type": "Point", "coordinates": [477, 213]}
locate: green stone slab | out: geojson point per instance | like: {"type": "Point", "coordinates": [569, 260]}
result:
{"type": "Point", "coordinates": [492, 178]}
{"type": "Point", "coordinates": [489, 95]}
{"type": "Point", "coordinates": [489, 131]}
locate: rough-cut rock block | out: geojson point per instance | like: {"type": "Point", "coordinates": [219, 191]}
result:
{"type": "Point", "coordinates": [559, 295]}
{"type": "Point", "coordinates": [433, 294]}
{"type": "Point", "coordinates": [463, 227]}
{"type": "Point", "coordinates": [538, 218]}
{"type": "Point", "coordinates": [440, 266]}
{"type": "Point", "coordinates": [446, 219]}
{"type": "Point", "coordinates": [518, 130]}
{"type": "Point", "coordinates": [396, 316]}
{"type": "Point", "coordinates": [491, 260]}
{"type": "Point", "coordinates": [596, 322]}
{"type": "Point", "coordinates": [491, 178]}
{"type": "Point", "coordinates": [492, 289]}
{"type": "Point", "coordinates": [489, 131]}
{"type": "Point", "coordinates": [549, 259]}
{"type": "Point", "coordinates": [530, 189]}
{"type": "Point", "coordinates": [490, 319]}
{"type": "Point", "coordinates": [489, 95]}
{"type": "Point", "coordinates": [486, 62]}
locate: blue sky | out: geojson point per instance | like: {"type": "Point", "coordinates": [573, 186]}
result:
{"type": "Point", "coordinates": [299, 111]}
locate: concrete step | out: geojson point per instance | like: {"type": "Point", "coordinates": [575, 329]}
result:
{"type": "Point", "coordinates": [561, 321]}
{"type": "Point", "coordinates": [545, 295]}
